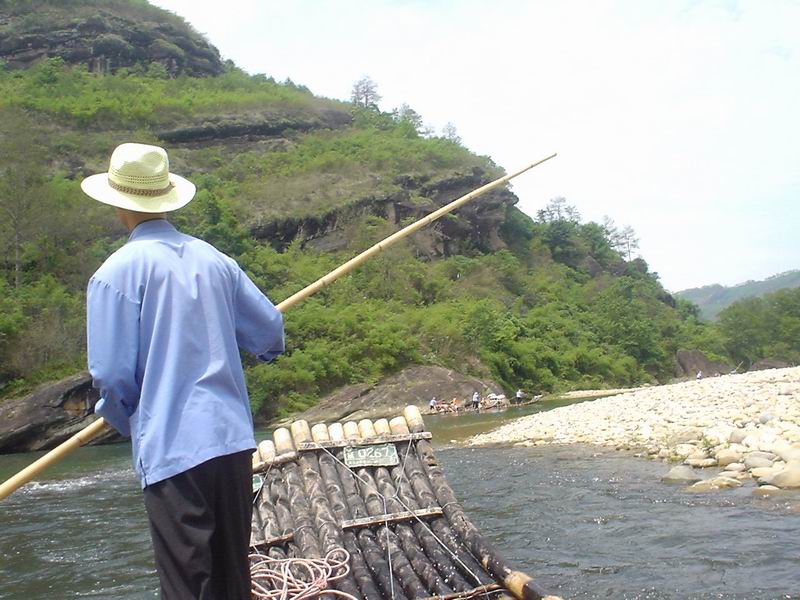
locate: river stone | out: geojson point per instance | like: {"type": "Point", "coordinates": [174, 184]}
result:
{"type": "Point", "coordinates": [761, 454]}
{"type": "Point", "coordinates": [681, 474]}
{"type": "Point", "coordinates": [727, 456]}
{"type": "Point", "coordinates": [763, 473]}
{"type": "Point", "coordinates": [755, 462]}
{"type": "Point", "coordinates": [766, 417]}
{"type": "Point", "coordinates": [737, 466]}
{"type": "Point", "coordinates": [700, 462]}
{"type": "Point", "coordinates": [707, 485]}
{"type": "Point", "coordinates": [697, 454]}
{"type": "Point", "coordinates": [766, 490]}
{"type": "Point", "coordinates": [788, 453]}
{"type": "Point", "coordinates": [685, 449]}
{"type": "Point", "coordinates": [685, 436]}
{"type": "Point", "coordinates": [737, 436]}
{"type": "Point", "coordinates": [788, 478]}
{"type": "Point", "coordinates": [722, 481]}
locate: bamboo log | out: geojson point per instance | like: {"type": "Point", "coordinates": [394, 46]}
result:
{"type": "Point", "coordinates": [408, 538]}
{"type": "Point", "coordinates": [462, 560]}
{"type": "Point", "coordinates": [275, 511]}
{"type": "Point", "coordinates": [437, 555]}
{"type": "Point", "coordinates": [374, 550]}
{"type": "Point", "coordinates": [298, 506]}
{"type": "Point", "coordinates": [522, 586]}
{"type": "Point", "coordinates": [326, 526]}
{"type": "Point", "coordinates": [401, 579]}
{"type": "Point", "coordinates": [363, 575]}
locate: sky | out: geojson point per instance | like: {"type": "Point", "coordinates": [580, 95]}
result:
{"type": "Point", "coordinates": [679, 118]}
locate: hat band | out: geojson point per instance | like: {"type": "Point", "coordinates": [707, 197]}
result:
{"type": "Point", "coordinates": [138, 191]}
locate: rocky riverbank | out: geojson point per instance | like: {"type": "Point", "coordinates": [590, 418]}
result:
{"type": "Point", "coordinates": [721, 432]}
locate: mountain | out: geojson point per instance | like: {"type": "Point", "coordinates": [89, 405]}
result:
{"type": "Point", "coordinates": [713, 298]}
{"type": "Point", "coordinates": [291, 185]}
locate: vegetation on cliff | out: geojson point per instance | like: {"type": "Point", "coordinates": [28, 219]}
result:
{"type": "Point", "coordinates": [291, 185]}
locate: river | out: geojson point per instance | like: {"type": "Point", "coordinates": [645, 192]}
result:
{"type": "Point", "coordinates": [587, 522]}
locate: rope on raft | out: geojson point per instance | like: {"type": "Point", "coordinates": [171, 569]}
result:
{"type": "Point", "coordinates": [298, 578]}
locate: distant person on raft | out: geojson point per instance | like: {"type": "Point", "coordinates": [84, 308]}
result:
{"type": "Point", "coordinates": [166, 316]}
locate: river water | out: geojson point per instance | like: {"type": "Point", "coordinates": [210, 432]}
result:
{"type": "Point", "coordinates": [586, 522]}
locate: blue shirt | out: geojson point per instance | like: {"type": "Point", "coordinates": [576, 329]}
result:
{"type": "Point", "coordinates": [166, 314]}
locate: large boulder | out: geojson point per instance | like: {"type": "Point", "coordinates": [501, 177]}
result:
{"type": "Point", "coordinates": [769, 363]}
{"type": "Point", "coordinates": [413, 385]}
{"type": "Point", "coordinates": [49, 415]}
{"type": "Point", "coordinates": [690, 362]}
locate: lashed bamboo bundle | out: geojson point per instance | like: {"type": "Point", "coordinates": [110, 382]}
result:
{"type": "Point", "coordinates": [406, 533]}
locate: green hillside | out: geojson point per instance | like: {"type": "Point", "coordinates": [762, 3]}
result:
{"type": "Point", "coordinates": [292, 185]}
{"type": "Point", "coordinates": [712, 299]}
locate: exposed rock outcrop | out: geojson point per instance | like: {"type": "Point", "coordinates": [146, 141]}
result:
{"type": "Point", "coordinates": [49, 415]}
{"type": "Point", "coordinates": [690, 362]}
{"type": "Point", "coordinates": [474, 227]}
{"type": "Point", "coordinates": [104, 38]}
{"type": "Point", "coordinates": [413, 385]}
{"type": "Point", "coordinates": [255, 126]}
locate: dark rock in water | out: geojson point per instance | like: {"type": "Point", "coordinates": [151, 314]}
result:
{"type": "Point", "coordinates": [769, 363]}
{"type": "Point", "coordinates": [689, 362]}
{"type": "Point", "coordinates": [49, 415]}
{"type": "Point", "coordinates": [413, 385]}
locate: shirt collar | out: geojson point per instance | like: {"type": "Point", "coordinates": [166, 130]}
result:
{"type": "Point", "coordinates": [153, 226]}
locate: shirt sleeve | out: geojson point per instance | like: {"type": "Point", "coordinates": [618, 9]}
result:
{"type": "Point", "coordinates": [112, 331]}
{"type": "Point", "coordinates": [259, 325]}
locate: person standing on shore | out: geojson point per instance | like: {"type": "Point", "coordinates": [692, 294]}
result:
{"type": "Point", "coordinates": [166, 315]}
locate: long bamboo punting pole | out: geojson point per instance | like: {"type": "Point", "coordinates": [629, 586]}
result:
{"type": "Point", "coordinates": [99, 426]}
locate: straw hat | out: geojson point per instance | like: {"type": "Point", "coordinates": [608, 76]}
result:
{"type": "Point", "coordinates": [138, 179]}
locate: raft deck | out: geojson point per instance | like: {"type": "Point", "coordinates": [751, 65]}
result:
{"type": "Point", "coordinates": [376, 489]}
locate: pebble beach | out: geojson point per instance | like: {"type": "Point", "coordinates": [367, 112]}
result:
{"type": "Point", "coordinates": [715, 433]}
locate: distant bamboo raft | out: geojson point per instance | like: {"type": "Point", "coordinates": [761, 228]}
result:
{"type": "Point", "coordinates": [391, 509]}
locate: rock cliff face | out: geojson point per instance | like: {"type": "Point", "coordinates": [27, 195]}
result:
{"type": "Point", "coordinates": [104, 37]}
{"type": "Point", "coordinates": [475, 226]}
{"type": "Point", "coordinates": [49, 415]}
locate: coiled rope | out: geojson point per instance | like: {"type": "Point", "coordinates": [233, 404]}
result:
{"type": "Point", "coordinates": [298, 578]}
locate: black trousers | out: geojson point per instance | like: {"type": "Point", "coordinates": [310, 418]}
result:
{"type": "Point", "coordinates": [200, 526]}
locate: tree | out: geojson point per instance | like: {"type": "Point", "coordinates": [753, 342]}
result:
{"type": "Point", "coordinates": [449, 133]}
{"type": "Point", "coordinates": [558, 210]}
{"type": "Point", "coordinates": [21, 181]}
{"type": "Point", "coordinates": [628, 242]}
{"type": "Point", "coordinates": [407, 115]}
{"type": "Point", "coordinates": [365, 94]}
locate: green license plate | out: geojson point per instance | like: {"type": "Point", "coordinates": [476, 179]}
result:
{"type": "Point", "coordinates": [383, 455]}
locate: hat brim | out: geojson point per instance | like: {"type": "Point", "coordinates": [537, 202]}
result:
{"type": "Point", "coordinates": [182, 192]}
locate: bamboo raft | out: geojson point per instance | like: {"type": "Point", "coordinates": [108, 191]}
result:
{"type": "Point", "coordinates": [391, 509]}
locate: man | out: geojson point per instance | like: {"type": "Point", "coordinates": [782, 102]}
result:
{"type": "Point", "coordinates": [166, 314]}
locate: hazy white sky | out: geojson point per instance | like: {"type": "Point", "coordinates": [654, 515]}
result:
{"type": "Point", "coordinates": [680, 118]}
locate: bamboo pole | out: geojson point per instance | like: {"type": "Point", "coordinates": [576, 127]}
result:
{"type": "Point", "coordinates": [99, 426]}
{"type": "Point", "coordinates": [55, 455]}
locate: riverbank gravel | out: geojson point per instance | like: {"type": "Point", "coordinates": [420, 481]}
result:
{"type": "Point", "coordinates": [743, 428]}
